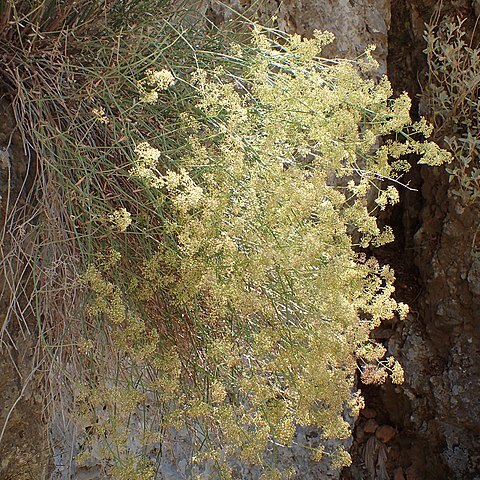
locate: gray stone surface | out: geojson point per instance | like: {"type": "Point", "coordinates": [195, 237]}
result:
{"type": "Point", "coordinates": [355, 23]}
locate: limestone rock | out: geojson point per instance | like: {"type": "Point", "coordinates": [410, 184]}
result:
{"type": "Point", "coordinates": [371, 426]}
{"type": "Point", "coordinates": [385, 433]}
{"type": "Point", "coordinates": [355, 23]}
{"type": "Point", "coordinates": [369, 413]}
{"type": "Point", "coordinates": [398, 474]}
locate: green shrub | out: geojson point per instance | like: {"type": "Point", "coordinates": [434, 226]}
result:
{"type": "Point", "coordinates": [201, 202]}
{"type": "Point", "coordinates": [452, 99]}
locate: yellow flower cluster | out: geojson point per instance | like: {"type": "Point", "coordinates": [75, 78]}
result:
{"type": "Point", "coordinates": [239, 303]}
{"type": "Point", "coordinates": [121, 219]}
{"type": "Point", "coordinates": [387, 196]}
{"type": "Point", "coordinates": [154, 82]}
{"type": "Point", "coordinates": [184, 193]}
{"type": "Point", "coordinates": [107, 299]}
{"type": "Point", "coordinates": [145, 165]}
{"type": "Point", "coordinates": [100, 115]}
{"type": "Point", "coordinates": [397, 374]}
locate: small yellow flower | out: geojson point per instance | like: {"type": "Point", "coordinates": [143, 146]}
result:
{"type": "Point", "coordinates": [318, 453]}
{"type": "Point", "coordinates": [154, 82]}
{"type": "Point", "coordinates": [403, 310]}
{"type": "Point", "coordinates": [100, 115]}
{"type": "Point", "coordinates": [144, 166]}
{"type": "Point", "coordinates": [121, 218]}
{"type": "Point", "coordinates": [398, 375]}
{"type": "Point", "coordinates": [85, 346]}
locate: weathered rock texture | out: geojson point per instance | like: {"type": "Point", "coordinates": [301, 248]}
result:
{"type": "Point", "coordinates": [442, 347]}
{"type": "Point", "coordinates": [437, 409]}
{"type": "Point", "coordinates": [355, 23]}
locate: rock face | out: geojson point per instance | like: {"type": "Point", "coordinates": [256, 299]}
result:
{"type": "Point", "coordinates": [355, 23]}
{"type": "Point", "coordinates": [385, 433]}
{"type": "Point", "coordinates": [440, 346]}
{"type": "Point", "coordinates": [437, 408]}
{"type": "Point", "coordinates": [450, 374]}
